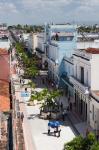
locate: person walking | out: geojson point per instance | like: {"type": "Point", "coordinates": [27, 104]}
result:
{"type": "Point", "coordinates": [22, 116]}
{"type": "Point", "coordinates": [64, 113]}
{"type": "Point", "coordinates": [63, 116]}
{"type": "Point", "coordinates": [61, 105]}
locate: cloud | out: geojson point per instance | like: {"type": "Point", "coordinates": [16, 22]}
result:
{"type": "Point", "coordinates": [40, 11]}
{"type": "Point", "coordinates": [6, 7]}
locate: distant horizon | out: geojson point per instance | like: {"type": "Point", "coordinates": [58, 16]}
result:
{"type": "Point", "coordinates": [77, 23]}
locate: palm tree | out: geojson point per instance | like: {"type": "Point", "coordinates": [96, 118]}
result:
{"type": "Point", "coordinates": [31, 71]}
{"type": "Point", "coordinates": [48, 98]}
{"type": "Point", "coordinates": [31, 85]}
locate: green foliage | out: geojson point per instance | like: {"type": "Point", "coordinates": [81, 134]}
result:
{"type": "Point", "coordinates": [89, 141]}
{"type": "Point", "coordinates": [31, 71]}
{"type": "Point", "coordinates": [88, 29]}
{"type": "Point", "coordinates": [31, 84]}
{"type": "Point", "coordinates": [29, 63]}
{"type": "Point", "coordinates": [95, 146]}
{"type": "Point", "coordinates": [75, 144]}
{"type": "Point", "coordinates": [48, 98]}
{"type": "Point", "coordinates": [28, 28]}
{"type": "Point", "coordinates": [80, 143]}
{"type": "Point", "coordinates": [19, 48]}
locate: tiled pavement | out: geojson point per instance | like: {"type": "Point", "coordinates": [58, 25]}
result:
{"type": "Point", "coordinates": [35, 130]}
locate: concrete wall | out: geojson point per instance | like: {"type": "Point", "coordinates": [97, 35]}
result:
{"type": "Point", "coordinates": [95, 72]}
{"type": "Point", "coordinates": [84, 44]}
{"type": "Point", "coordinates": [40, 41]}
{"type": "Point", "coordinates": [94, 117]}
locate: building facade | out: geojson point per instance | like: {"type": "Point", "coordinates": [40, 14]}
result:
{"type": "Point", "coordinates": [32, 43]}
{"type": "Point", "coordinates": [60, 42]}
{"type": "Point", "coordinates": [86, 85]}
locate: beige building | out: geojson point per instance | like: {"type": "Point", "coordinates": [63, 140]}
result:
{"type": "Point", "coordinates": [32, 42]}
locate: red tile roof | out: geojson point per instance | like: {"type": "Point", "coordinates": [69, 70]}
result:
{"type": "Point", "coordinates": [4, 65]}
{"type": "Point", "coordinates": [92, 50]}
{"type": "Point", "coordinates": [4, 96]}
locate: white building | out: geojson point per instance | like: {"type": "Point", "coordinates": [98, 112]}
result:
{"type": "Point", "coordinates": [32, 42]}
{"type": "Point", "coordinates": [4, 39]}
{"type": "Point", "coordinates": [86, 44]}
{"type": "Point", "coordinates": [86, 85]}
{"type": "Point", "coordinates": [41, 48]}
{"type": "Point", "coordinates": [25, 36]}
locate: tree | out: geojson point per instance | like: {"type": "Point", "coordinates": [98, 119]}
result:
{"type": "Point", "coordinates": [80, 143]}
{"type": "Point", "coordinates": [19, 26]}
{"type": "Point", "coordinates": [75, 144]}
{"type": "Point", "coordinates": [31, 72]}
{"type": "Point", "coordinates": [30, 67]}
{"type": "Point", "coordinates": [48, 99]}
{"type": "Point", "coordinates": [31, 84]}
{"type": "Point", "coordinates": [95, 146]}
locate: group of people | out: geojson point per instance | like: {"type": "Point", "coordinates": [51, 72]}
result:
{"type": "Point", "coordinates": [20, 116]}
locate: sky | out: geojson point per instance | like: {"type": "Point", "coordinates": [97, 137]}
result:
{"type": "Point", "coordinates": [42, 11]}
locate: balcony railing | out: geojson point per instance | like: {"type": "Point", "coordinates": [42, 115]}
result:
{"type": "Point", "coordinates": [79, 85]}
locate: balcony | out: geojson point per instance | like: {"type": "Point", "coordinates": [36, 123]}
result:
{"type": "Point", "coordinates": [83, 88]}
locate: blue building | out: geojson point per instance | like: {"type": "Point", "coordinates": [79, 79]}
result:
{"type": "Point", "coordinates": [60, 43]}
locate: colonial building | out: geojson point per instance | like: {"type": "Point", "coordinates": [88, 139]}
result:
{"type": "Point", "coordinates": [86, 85]}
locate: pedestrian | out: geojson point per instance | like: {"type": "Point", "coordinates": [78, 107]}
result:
{"type": "Point", "coordinates": [48, 130]}
{"type": "Point", "coordinates": [20, 81]}
{"type": "Point", "coordinates": [63, 116]}
{"type": "Point", "coordinates": [23, 81]}
{"type": "Point", "coordinates": [59, 130]}
{"type": "Point", "coordinates": [25, 89]}
{"type": "Point", "coordinates": [61, 105]}
{"type": "Point", "coordinates": [22, 116]}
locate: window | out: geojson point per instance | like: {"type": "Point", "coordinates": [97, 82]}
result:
{"type": "Point", "coordinates": [76, 71]}
{"type": "Point", "coordinates": [87, 77]}
{"type": "Point", "coordinates": [66, 38]}
{"type": "Point", "coordinates": [82, 75]}
{"type": "Point", "coordinates": [93, 112]}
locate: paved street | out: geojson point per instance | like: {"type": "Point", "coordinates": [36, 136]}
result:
{"type": "Point", "coordinates": [35, 129]}
{"type": "Point", "coordinates": [39, 132]}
